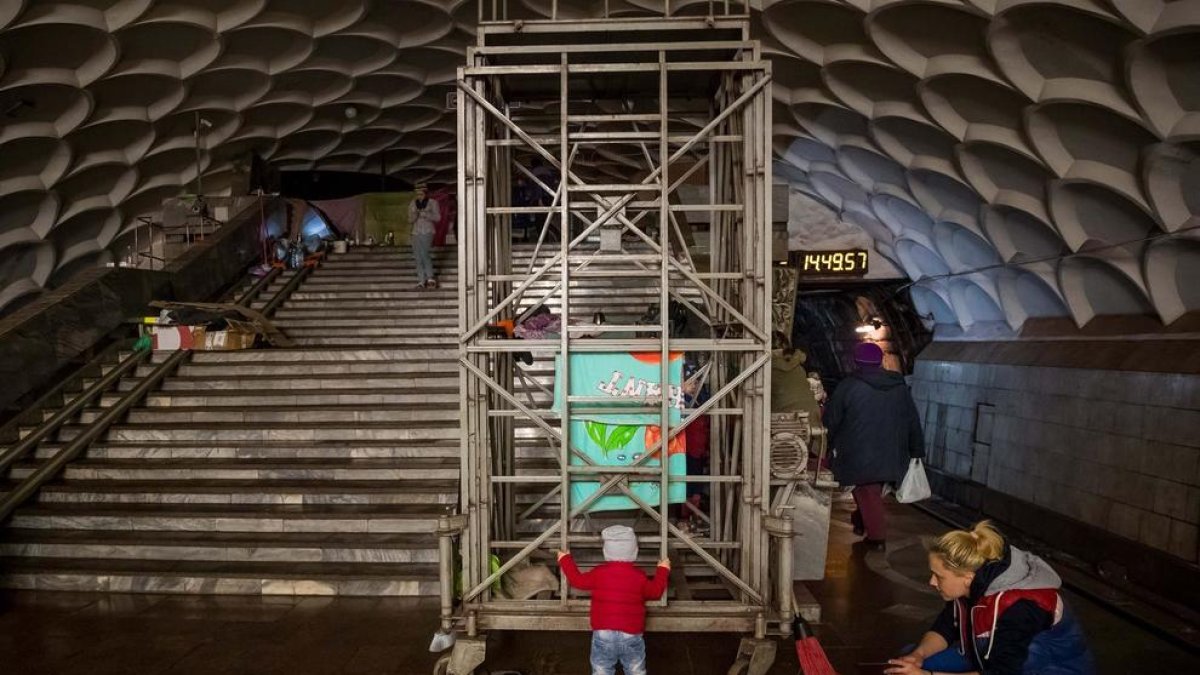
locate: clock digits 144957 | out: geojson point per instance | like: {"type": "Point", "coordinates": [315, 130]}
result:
{"type": "Point", "coordinates": [850, 263]}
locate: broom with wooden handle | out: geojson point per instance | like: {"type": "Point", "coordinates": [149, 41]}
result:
{"type": "Point", "coordinates": [813, 660]}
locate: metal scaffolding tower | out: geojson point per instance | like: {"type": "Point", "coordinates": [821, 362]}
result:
{"type": "Point", "coordinates": [623, 115]}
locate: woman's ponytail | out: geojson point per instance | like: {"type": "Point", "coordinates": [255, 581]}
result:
{"type": "Point", "coordinates": [968, 550]}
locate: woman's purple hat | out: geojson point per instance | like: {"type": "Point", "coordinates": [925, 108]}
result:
{"type": "Point", "coordinates": [868, 354]}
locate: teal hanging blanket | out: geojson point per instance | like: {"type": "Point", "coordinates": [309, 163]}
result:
{"type": "Point", "coordinates": [621, 437]}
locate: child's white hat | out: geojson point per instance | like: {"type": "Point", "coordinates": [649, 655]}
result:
{"type": "Point", "coordinates": [620, 543]}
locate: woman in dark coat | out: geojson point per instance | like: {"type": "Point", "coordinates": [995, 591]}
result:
{"type": "Point", "coordinates": [874, 430]}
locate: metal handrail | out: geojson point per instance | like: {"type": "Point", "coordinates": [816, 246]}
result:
{"type": "Point", "coordinates": [253, 291]}
{"type": "Point", "coordinates": [16, 452]}
{"type": "Point", "coordinates": [32, 483]}
{"type": "Point", "coordinates": [58, 394]}
{"type": "Point", "coordinates": [286, 291]}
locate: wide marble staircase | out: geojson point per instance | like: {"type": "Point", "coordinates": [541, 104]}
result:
{"type": "Point", "coordinates": [319, 469]}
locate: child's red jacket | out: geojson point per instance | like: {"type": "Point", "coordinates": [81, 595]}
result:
{"type": "Point", "coordinates": [619, 593]}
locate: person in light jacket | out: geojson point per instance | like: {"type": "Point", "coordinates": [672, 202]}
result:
{"type": "Point", "coordinates": [1004, 613]}
{"type": "Point", "coordinates": [423, 217]}
{"type": "Point", "coordinates": [874, 430]}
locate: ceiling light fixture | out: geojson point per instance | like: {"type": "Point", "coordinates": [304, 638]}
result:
{"type": "Point", "coordinates": [869, 326]}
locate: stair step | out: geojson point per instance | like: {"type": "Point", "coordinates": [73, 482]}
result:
{"type": "Point", "coordinates": [219, 578]}
{"type": "Point", "coordinates": [398, 272]}
{"type": "Point", "coordinates": [443, 334]}
{"type": "Point", "coordinates": [252, 492]}
{"type": "Point", "coordinates": [532, 447]}
{"type": "Point", "coordinates": [400, 518]}
{"type": "Point", "coordinates": [416, 306]}
{"type": "Point", "coordinates": [308, 414]}
{"type": "Point", "coordinates": [261, 432]}
{"type": "Point", "coordinates": [380, 312]}
{"type": "Point", "coordinates": [358, 341]}
{"type": "Point", "coordinates": [351, 260]}
{"type": "Point", "coordinates": [402, 275]}
{"type": "Point", "coordinates": [438, 298]}
{"type": "Point", "coordinates": [445, 396]}
{"type": "Point", "coordinates": [145, 469]}
{"type": "Point", "coordinates": [442, 323]}
{"type": "Point", "coordinates": [445, 294]}
{"type": "Point", "coordinates": [387, 263]}
{"type": "Point", "coordinates": [309, 355]}
{"type": "Point", "coordinates": [299, 547]}
{"type": "Point", "coordinates": [283, 382]}
{"type": "Point", "coordinates": [279, 450]}
{"type": "Point", "coordinates": [378, 251]}
{"type": "Point", "coordinates": [445, 287]}
{"type": "Point", "coordinates": [210, 370]}
{"type": "Point", "coordinates": [411, 307]}
{"type": "Point", "coordinates": [316, 369]}
{"type": "Point", "coordinates": [272, 432]}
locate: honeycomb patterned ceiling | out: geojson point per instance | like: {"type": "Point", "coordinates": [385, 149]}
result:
{"type": "Point", "coordinates": [1016, 158]}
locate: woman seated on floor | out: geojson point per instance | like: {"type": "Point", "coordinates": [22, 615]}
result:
{"type": "Point", "coordinates": [1004, 613]}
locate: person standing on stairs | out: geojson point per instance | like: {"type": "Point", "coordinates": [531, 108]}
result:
{"type": "Point", "coordinates": [423, 217]}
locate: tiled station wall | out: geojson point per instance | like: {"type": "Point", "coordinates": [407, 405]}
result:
{"type": "Point", "coordinates": [1118, 449]}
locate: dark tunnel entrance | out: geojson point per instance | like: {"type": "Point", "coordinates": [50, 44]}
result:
{"type": "Point", "coordinates": [833, 317]}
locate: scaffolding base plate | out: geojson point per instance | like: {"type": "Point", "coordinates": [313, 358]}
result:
{"type": "Point", "coordinates": [467, 655]}
{"type": "Point", "coordinates": [755, 657]}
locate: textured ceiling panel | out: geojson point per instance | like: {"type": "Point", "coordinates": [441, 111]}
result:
{"type": "Point", "coordinates": [1026, 158]}
{"type": "Point", "coordinates": [99, 100]}
{"type": "Point", "coordinates": [1017, 158]}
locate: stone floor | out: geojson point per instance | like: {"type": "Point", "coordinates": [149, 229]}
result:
{"type": "Point", "coordinates": [873, 604]}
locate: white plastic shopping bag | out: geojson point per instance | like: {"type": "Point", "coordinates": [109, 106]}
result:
{"type": "Point", "coordinates": [915, 486]}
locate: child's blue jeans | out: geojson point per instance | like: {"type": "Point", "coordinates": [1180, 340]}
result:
{"type": "Point", "coordinates": [610, 647]}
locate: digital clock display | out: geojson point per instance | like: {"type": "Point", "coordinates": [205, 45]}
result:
{"type": "Point", "coordinates": [836, 263]}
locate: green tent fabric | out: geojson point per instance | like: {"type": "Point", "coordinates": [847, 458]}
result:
{"type": "Point", "coordinates": [387, 211]}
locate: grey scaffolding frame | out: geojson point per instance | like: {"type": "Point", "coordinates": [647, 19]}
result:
{"type": "Point", "coordinates": [617, 83]}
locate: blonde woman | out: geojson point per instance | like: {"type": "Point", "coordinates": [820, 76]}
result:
{"type": "Point", "coordinates": [1004, 613]}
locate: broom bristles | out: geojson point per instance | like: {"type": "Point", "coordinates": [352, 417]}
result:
{"type": "Point", "coordinates": [813, 660]}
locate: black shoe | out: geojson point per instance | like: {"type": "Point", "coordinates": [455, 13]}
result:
{"type": "Point", "coordinates": [875, 544]}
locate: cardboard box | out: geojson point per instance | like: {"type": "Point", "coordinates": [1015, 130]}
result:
{"type": "Point", "coordinates": [239, 335]}
{"type": "Point", "coordinates": [251, 322]}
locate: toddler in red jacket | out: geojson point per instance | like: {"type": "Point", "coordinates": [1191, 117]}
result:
{"type": "Point", "coordinates": [619, 594]}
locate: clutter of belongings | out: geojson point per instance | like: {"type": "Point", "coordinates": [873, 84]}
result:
{"type": "Point", "coordinates": [201, 326]}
